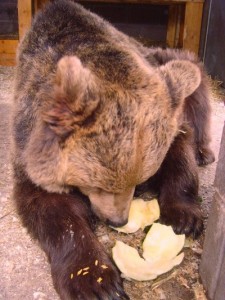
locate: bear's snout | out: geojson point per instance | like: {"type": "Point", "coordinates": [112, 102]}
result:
{"type": "Point", "coordinates": [113, 208]}
{"type": "Point", "coordinates": [117, 224]}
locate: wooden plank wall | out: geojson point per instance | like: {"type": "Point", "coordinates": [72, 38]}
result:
{"type": "Point", "coordinates": [24, 16]}
{"type": "Point", "coordinates": [8, 52]}
{"type": "Point", "coordinates": [183, 29]}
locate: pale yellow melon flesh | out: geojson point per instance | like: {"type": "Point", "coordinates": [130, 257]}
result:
{"type": "Point", "coordinates": [161, 243]}
{"type": "Point", "coordinates": [160, 250]}
{"type": "Point", "coordinates": [130, 263]}
{"type": "Point", "coordinates": [142, 213]}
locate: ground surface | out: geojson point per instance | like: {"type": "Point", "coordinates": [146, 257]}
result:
{"type": "Point", "coordinates": [25, 273]}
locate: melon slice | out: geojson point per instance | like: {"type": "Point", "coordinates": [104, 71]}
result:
{"type": "Point", "coordinates": [130, 263]}
{"type": "Point", "coordinates": [142, 213]}
{"type": "Point", "coordinates": [160, 249]}
{"type": "Point", "coordinates": [162, 244]}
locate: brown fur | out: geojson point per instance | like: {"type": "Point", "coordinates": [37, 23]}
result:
{"type": "Point", "coordinates": [63, 225]}
{"type": "Point", "coordinates": [176, 184]}
{"type": "Point", "coordinates": [177, 178]}
{"type": "Point", "coordinates": [197, 110]}
{"type": "Point", "coordinates": [95, 111]}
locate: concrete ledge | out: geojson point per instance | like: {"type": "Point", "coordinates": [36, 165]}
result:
{"type": "Point", "coordinates": [212, 267]}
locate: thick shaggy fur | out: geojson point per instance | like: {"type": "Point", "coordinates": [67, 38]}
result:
{"type": "Point", "coordinates": [96, 115]}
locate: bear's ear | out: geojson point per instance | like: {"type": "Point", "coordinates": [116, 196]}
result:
{"type": "Point", "coordinates": [74, 98]}
{"type": "Point", "coordinates": [182, 78]}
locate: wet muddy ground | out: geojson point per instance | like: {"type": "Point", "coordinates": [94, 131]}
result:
{"type": "Point", "coordinates": [25, 273]}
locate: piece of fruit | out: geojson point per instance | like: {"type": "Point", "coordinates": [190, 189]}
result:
{"type": "Point", "coordinates": [161, 243]}
{"type": "Point", "coordinates": [160, 249]}
{"type": "Point", "coordinates": [130, 263]}
{"type": "Point", "coordinates": [142, 213]}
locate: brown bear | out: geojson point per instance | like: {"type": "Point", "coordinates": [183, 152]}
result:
{"type": "Point", "coordinates": [97, 115]}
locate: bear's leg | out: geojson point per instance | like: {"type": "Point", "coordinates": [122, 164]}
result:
{"type": "Point", "coordinates": [62, 224]}
{"type": "Point", "coordinates": [197, 113]}
{"type": "Point", "coordinates": [177, 180]}
{"type": "Point", "coordinates": [176, 184]}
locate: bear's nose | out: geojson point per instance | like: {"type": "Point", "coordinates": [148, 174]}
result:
{"type": "Point", "coordinates": [116, 224]}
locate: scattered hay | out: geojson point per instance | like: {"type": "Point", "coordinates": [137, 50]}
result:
{"type": "Point", "coordinates": [218, 92]}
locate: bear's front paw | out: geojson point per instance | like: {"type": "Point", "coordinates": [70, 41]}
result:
{"type": "Point", "coordinates": [93, 278]}
{"type": "Point", "coordinates": [205, 156]}
{"type": "Point", "coordinates": [183, 217]}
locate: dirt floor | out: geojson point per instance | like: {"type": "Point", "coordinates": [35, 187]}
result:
{"type": "Point", "coordinates": [25, 273]}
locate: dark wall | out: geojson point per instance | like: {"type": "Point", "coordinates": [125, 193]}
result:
{"type": "Point", "coordinates": [147, 23]}
{"type": "Point", "coordinates": [8, 19]}
{"type": "Point", "coordinates": [213, 50]}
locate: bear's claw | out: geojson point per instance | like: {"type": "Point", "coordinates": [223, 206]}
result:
{"type": "Point", "coordinates": [185, 218]}
{"type": "Point", "coordinates": [91, 277]}
{"type": "Point", "coordinates": [204, 157]}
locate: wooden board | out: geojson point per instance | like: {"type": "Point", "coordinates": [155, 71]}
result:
{"type": "Point", "coordinates": [212, 267]}
{"type": "Point", "coordinates": [192, 26]}
{"type": "Point", "coordinates": [8, 52]}
{"type": "Point", "coordinates": [8, 46]}
{"type": "Point", "coordinates": [172, 26]}
{"type": "Point", "coordinates": [24, 16]}
{"type": "Point", "coordinates": [7, 59]}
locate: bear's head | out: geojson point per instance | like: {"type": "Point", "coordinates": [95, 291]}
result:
{"type": "Point", "coordinates": [106, 138]}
